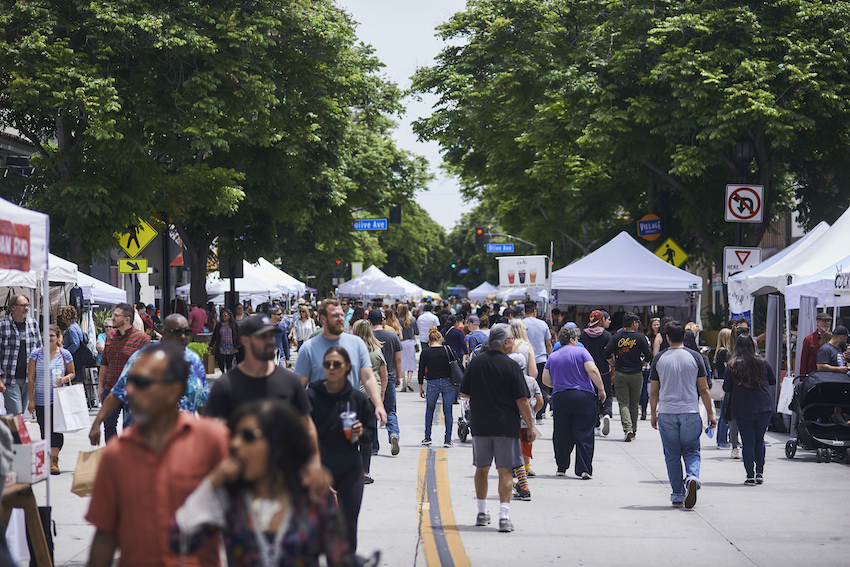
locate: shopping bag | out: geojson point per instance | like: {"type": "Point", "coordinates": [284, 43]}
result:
{"type": "Point", "coordinates": [786, 394]}
{"type": "Point", "coordinates": [70, 409]}
{"type": "Point", "coordinates": [716, 390]}
{"type": "Point", "coordinates": [85, 471]}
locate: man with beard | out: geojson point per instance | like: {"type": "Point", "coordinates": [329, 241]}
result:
{"type": "Point", "coordinates": [831, 354]}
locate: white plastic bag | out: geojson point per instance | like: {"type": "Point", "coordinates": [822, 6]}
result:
{"type": "Point", "coordinates": [786, 394]}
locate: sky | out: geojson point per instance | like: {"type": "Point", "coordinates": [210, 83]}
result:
{"type": "Point", "coordinates": [402, 33]}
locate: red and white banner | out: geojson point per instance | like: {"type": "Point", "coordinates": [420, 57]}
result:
{"type": "Point", "coordinates": [14, 246]}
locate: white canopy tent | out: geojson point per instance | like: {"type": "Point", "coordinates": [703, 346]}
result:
{"type": "Point", "coordinates": [821, 286]}
{"type": "Point", "coordinates": [372, 282]}
{"type": "Point", "coordinates": [97, 291]}
{"type": "Point", "coordinates": [623, 272]}
{"type": "Point", "coordinates": [481, 292]}
{"type": "Point", "coordinates": [253, 282]}
{"type": "Point", "coordinates": [432, 294]}
{"type": "Point", "coordinates": [284, 280]}
{"type": "Point", "coordinates": [412, 291]}
{"type": "Point", "coordinates": [512, 293]}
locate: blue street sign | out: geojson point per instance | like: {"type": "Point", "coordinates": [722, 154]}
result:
{"type": "Point", "coordinates": [649, 227]}
{"type": "Point", "coordinates": [500, 248]}
{"type": "Point", "coordinates": [370, 224]}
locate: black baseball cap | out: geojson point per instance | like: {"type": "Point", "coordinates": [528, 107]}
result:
{"type": "Point", "coordinates": [840, 330]}
{"type": "Point", "coordinates": [257, 325]}
{"type": "Point", "coordinates": [375, 316]}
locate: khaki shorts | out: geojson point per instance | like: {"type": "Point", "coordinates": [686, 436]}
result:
{"type": "Point", "coordinates": [505, 451]}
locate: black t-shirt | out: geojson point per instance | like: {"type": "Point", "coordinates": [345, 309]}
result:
{"type": "Point", "coordinates": [596, 347]}
{"type": "Point", "coordinates": [391, 346]}
{"type": "Point", "coordinates": [235, 388]}
{"type": "Point", "coordinates": [434, 363]}
{"type": "Point", "coordinates": [21, 367]}
{"type": "Point", "coordinates": [339, 454]}
{"type": "Point", "coordinates": [494, 383]}
{"type": "Point", "coordinates": [629, 347]}
{"type": "Point", "coordinates": [720, 360]}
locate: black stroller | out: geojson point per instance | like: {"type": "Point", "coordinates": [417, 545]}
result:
{"type": "Point", "coordinates": [815, 401]}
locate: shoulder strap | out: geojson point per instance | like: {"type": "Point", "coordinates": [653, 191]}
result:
{"type": "Point", "coordinates": [450, 353]}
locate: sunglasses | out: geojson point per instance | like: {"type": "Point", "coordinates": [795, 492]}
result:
{"type": "Point", "coordinates": [180, 331]}
{"type": "Point", "coordinates": [142, 382]}
{"type": "Point", "coordinates": [333, 364]}
{"type": "Point", "coordinates": [248, 435]}
{"type": "Point", "coordinates": [108, 327]}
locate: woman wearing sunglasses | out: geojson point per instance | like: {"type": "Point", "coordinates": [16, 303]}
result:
{"type": "Point", "coordinates": [338, 440]}
{"type": "Point", "coordinates": [61, 366]}
{"type": "Point", "coordinates": [256, 499]}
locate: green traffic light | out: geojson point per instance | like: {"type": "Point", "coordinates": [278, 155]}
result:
{"type": "Point", "coordinates": [453, 266]}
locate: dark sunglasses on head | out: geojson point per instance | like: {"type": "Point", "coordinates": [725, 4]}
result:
{"type": "Point", "coordinates": [333, 364]}
{"type": "Point", "coordinates": [248, 435]}
{"type": "Point", "coordinates": [142, 382]}
{"type": "Point", "coordinates": [180, 331]}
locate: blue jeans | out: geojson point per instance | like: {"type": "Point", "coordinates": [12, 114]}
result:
{"type": "Point", "coordinates": [110, 422]}
{"type": "Point", "coordinates": [680, 434]}
{"type": "Point", "coordinates": [392, 419]}
{"type": "Point", "coordinates": [752, 428]}
{"type": "Point", "coordinates": [436, 387]}
{"type": "Point", "coordinates": [16, 396]}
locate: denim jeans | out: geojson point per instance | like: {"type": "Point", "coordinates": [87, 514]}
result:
{"type": "Point", "coordinates": [16, 396]}
{"type": "Point", "coordinates": [752, 428]}
{"type": "Point", "coordinates": [392, 419]}
{"type": "Point", "coordinates": [434, 389]}
{"type": "Point", "coordinates": [110, 422]}
{"type": "Point", "coordinates": [680, 433]}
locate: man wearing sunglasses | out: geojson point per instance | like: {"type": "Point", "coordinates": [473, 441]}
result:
{"type": "Point", "coordinates": [177, 331]}
{"type": "Point", "coordinates": [121, 343]}
{"type": "Point", "coordinates": [145, 475]}
{"type": "Point", "coordinates": [18, 337]}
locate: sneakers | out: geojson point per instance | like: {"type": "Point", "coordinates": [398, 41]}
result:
{"type": "Point", "coordinates": [426, 441]}
{"type": "Point", "coordinates": [597, 431]}
{"type": "Point", "coordinates": [691, 493]}
{"type": "Point", "coordinates": [735, 453]}
{"type": "Point", "coordinates": [561, 473]}
{"type": "Point", "coordinates": [505, 525]}
{"type": "Point", "coordinates": [677, 504]}
{"type": "Point", "coordinates": [724, 445]}
{"type": "Point", "coordinates": [539, 422]}
{"type": "Point", "coordinates": [394, 443]}
{"type": "Point", "coordinates": [750, 481]}
{"type": "Point", "coordinates": [368, 479]}
{"type": "Point", "coordinates": [586, 476]}
{"type": "Point", "coordinates": [530, 472]}
{"type": "Point", "coordinates": [629, 436]}
{"type": "Point", "coordinates": [522, 495]}
{"type": "Point", "coordinates": [606, 425]}
{"type": "Point", "coordinates": [759, 478]}
{"type": "Point", "coordinates": [483, 519]}
{"type": "Point", "coordinates": [448, 444]}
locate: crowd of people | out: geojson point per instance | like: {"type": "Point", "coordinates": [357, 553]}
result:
{"type": "Point", "coordinates": [278, 469]}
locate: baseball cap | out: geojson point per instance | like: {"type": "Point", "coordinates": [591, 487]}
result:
{"type": "Point", "coordinates": [840, 330]}
{"type": "Point", "coordinates": [595, 316]}
{"type": "Point", "coordinates": [257, 325]}
{"type": "Point", "coordinates": [473, 320]}
{"type": "Point", "coordinates": [150, 306]}
{"type": "Point", "coordinates": [375, 316]}
{"type": "Point", "coordinates": [571, 325]}
{"type": "Point", "coordinates": [605, 315]}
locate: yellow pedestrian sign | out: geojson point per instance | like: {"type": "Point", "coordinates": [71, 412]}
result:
{"type": "Point", "coordinates": [671, 253]}
{"type": "Point", "coordinates": [129, 266]}
{"type": "Point", "coordinates": [136, 238]}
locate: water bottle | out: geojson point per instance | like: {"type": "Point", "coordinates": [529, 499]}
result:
{"type": "Point", "coordinates": [710, 432]}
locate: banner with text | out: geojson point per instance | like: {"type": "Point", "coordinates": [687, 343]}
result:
{"type": "Point", "coordinates": [522, 271]}
{"type": "Point", "coordinates": [14, 246]}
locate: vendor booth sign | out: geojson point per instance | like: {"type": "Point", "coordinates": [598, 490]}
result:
{"type": "Point", "coordinates": [14, 246]}
{"type": "Point", "coordinates": [522, 271]}
{"type": "Point", "coordinates": [842, 283]}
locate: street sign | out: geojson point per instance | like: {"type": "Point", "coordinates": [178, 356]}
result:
{"type": "Point", "coordinates": [500, 248]}
{"type": "Point", "coordinates": [136, 239]}
{"type": "Point", "coordinates": [128, 266]}
{"type": "Point", "coordinates": [745, 203]}
{"type": "Point", "coordinates": [649, 227]}
{"type": "Point", "coordinates": [370, 224]}
{"type": "Point", "coordinates": [671, 253]}
{"type": "Point", "coordinates": [737, 259]}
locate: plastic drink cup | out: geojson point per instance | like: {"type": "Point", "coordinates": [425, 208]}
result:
{"type": "Point", "coordinates": [348, 418]}
{"type": "Point", "coordinates": [511, 275]}
{"type": "Point", "coordinates": [522, 276]}
{"type": "Point", "coordinates": [56, 374]}
{"type": "Point", "coordinates": [533, 275]}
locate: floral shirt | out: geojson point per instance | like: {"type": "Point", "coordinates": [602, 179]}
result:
{"type": "Point", "coordinates": [197, 387]}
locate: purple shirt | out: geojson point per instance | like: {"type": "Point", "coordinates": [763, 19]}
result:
{"type": "Point", "coordinates": [566, 367]}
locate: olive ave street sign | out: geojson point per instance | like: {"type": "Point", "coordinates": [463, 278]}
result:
{"type": "Point", "coordinates": [745, 203]}
{"type": "Point", "coordinates": [738, 259]}
{"type": "Point", "coordinates": [500, 248]}
{"type": "Point", "coordinates": [370, 224]}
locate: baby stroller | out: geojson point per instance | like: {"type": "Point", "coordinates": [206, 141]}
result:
{"type": "Point", "coordinates": [463, 420]}
{"type": "Point", "coordinates": [814, 403]}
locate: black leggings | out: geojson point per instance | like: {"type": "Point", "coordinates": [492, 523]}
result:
{"type": "Point", "coordinates": [349, 487]}
{"type": "Point", "coordinates": [56, 439]}
{"type": "Point", "coordinates": [225, 361]}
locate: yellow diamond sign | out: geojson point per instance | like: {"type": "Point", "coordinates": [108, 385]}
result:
{"type": "Point", "coordinates": [136, 238]}
{"type": "Point", "coordinates": [671, 253]}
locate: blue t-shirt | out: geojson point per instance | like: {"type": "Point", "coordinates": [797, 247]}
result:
{"type": "Point", "coordinates": [312, 353]}
{"type": "Point", "coordinates": [58, 363]}
{"type": "Point", "coordinates": [566, 367]}
{"type": "Point", "coordinates": [101, 338]}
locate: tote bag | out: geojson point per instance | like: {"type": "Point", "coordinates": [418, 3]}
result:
{"type": "Point", "coordinates": [454, 367]}
{"type": "Point", "coordinates": [85, 471]}
{"type": "Point", "coordinates": [70, 409]}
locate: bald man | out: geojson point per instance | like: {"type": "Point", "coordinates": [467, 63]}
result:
{"type": "Point", "coordinates": [176, 330]}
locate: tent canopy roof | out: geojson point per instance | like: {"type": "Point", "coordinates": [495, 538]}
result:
{"type": "Point", "coordinates": [820, 286]}
{"type": "Point", "coordinates": [481, 292]}
{"type": "Point", "coordinates": [372, 282]}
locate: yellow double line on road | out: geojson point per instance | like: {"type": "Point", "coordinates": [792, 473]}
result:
{"type": "Point", "coordinates": [440, 537]}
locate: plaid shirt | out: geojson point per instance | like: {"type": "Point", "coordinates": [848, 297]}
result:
{"type": "Point", "coordinates": [118, 349]}
{"type": "Point", "coordinates": [10, 344]}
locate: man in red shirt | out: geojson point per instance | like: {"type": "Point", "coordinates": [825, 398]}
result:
{"type": "Point", "coordinates": [197, 318]}
{"type": "Point", "coordinates": [811, 345]}
{"type": "Point", "coordinates": [146, 474]}
{"type": "Point", "coordinates": [121, 343]}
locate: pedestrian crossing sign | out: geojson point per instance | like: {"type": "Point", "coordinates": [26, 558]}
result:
{"type": "Point", "coordinates": [671, 253]}
{"type": "Point", "coordinates": [136, 238]}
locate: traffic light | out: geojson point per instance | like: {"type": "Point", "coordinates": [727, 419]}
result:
{"type": "Point", "coordinates": [338, 269]}
{"type": "Point", "coordinates": [479, 237]}
{"type": "Point", "coordinates": [454, 265]}
{"type": "Point", "coordinates": [395, 214]}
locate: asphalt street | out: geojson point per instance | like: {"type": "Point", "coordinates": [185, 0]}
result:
{"type": "Point", "coordinates": [421, 509]}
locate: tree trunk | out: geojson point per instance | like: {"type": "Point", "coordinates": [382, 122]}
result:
{"type": "Point", "coordinates": [198, 250]}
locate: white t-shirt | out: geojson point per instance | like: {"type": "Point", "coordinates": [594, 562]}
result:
{"type": "Point", "coordinates": [425, 322]}
{"type": "Point", "coordinates": [538, 333]}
